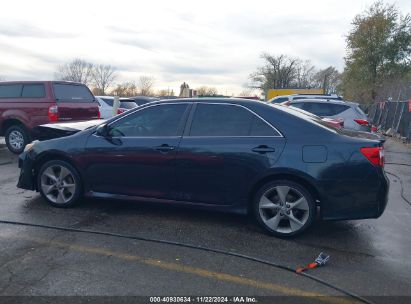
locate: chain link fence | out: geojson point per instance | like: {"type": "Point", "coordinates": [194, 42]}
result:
{"type": "Point", "coordinates": [392, 118]}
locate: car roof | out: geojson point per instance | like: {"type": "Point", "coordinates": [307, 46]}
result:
{"type": "Point", "coordinates": [38, 81]}
{"type": "Point", "coordinates": [308, 94]}
{"type": "Point", "coordinates": [112, 97]}
{"type": "Point", "coordinates": [332, 101]}
{"type": "Point", "coordinates": [145, 97]}
{"type": "Point", "coordinates": [220, 100]}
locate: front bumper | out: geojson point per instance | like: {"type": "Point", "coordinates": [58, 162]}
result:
{"type": "Point", "coordinates": [26, 178]}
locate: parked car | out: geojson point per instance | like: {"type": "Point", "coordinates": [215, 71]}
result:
{"type": "Point", "coordinates": [222, 154]}
{"type": "Point", "coordinates": [293, 97]}
{"type": "Point", "coordinates": [350, 112]}
{"type": "Point", "coordinates": [26, 104]}
{"type": "Point", "coordinates": [105, 104]}
{"type": "Point", "coordinates": [140, 100]}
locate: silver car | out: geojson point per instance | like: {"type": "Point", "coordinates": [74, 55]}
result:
{"type": "Point", "coordinates": [295, 97]}
{"type": "Point", "coordinates": [354, 118]}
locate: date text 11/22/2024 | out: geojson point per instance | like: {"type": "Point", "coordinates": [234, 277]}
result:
{"type": "Point", "coordinates": [204, 299]}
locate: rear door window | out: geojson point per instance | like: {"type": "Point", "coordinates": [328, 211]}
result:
{"type": "Point", "coordinates": [299, 105]}
{"type": "Point", "coordinates": [228, 120]}
{"type": "Point", "coordinates": [10, 90]}
{"type": "Point", "coordinates": [33, 91]}
{"type": "Point", "coordinates": [324, 109]}
{"type": "Point", "coordinates": [72, 93]}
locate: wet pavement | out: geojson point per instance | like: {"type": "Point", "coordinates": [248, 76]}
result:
{"type": "Point", "coordinates": [368, 257]}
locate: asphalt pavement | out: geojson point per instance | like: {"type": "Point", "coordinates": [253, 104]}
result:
{"type": "Point", "coordinates": [368, 257]}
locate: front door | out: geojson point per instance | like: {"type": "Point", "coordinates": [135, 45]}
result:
{"type": "Point", "coordinates": [136, 158]}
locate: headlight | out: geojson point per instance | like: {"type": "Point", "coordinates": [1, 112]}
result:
{"type": "Point", "coordinates": [30, 146]}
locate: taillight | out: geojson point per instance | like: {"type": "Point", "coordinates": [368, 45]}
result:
{"type": "Point", "coordinates": [120, 110]}
{"type": "Point", "coordinates": [375, 155]}
{"type": "Point", "coordinates": [361, 122]}
{"type": "Point", "coordinates": [53, 113]}
{"type": "Point", "coordinates": [99, 114]}
{"type": "Point", "coordinates": [374, 129]}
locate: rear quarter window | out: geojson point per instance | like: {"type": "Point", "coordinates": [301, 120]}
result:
{"type": "Point", "coordinates": [72, 93]}
{"type": "Point", "coordinates": [10, 90]}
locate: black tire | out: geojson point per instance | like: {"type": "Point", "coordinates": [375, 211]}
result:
{"type": "Point", "coordinates": [61, 195]}
{"type": "Point", "coordinates": [283, 214]}
{"type": "Point", "coordinates": [17, 138]}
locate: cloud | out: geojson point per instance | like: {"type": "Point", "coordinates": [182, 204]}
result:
{"type": "Point", "coordinates": [135, 42]}
{"type": "Point", "coordinates": [27, 30]}
{"type": "Point", "coordinates": [213, 42]}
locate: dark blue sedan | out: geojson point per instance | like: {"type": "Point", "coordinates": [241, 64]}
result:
{"type": "Point", "coordinates": [240, 155]}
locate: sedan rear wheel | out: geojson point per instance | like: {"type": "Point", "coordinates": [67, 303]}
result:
{"type": "Point", "coordinates": [59, 183]}
{"type": "Point", "coordinates": [284, 208]}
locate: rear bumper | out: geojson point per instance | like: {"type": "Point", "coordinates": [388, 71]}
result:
{"type": "Point", "coordinates": [26, 178]}
{"type": "Point", "coordinates": [352, 200]}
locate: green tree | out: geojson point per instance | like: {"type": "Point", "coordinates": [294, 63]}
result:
{"type": "Point", "coordinates": [378, 49]}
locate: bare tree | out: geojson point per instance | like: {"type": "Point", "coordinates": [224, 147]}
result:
{"type": "Point", "coordinates": [145, 85]}
{"type": "Point", "coordinates": [278, 72]}
{"type": "Point", "coordinates": [165, 92]}
{"type": "Point", "coordinates": [206, 91]}
{"type": "Point", "coordinates": [328, 79]}
{"type": "Point", "coordinates": [103, 77]}
{"type": "Point", "coordinates": [247, 92]}
{"type": "Point", "coordinates": [125, 89]}
{"type": "Point", "coordinates": [305, 72]}
{"type": "Point", "coordinates": [77, 70]}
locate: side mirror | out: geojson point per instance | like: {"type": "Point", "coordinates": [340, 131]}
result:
{"type": "Point", "coordinates": [102, 130]}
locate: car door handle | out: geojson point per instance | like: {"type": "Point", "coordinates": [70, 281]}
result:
{"type": "Point", "coordinates": [164, 148]}
{"type": "Point", "coordinates": [263, 149]}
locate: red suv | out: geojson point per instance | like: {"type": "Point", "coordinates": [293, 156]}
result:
{"type": "Point", "coordinates": [27, 104]}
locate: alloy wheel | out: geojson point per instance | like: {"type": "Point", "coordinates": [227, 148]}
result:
{"type": "Point", "coordinates": [58, 184]}
{"type": "Point", "coordinates": [284, 209]}
{"type": "Point", "coordinates": [16, 140]}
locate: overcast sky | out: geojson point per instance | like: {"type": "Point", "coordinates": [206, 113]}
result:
{"type": "Point", "coordinates": [215, 43]}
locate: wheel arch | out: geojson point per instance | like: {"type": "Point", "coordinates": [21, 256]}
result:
{"type": "Point", "coordinates": [290, 176]}
{"type": "Point", "coordinates": [7, 123]}
{"type": "Point", "coordinates": [44, 157]}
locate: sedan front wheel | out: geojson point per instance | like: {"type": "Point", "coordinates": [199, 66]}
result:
{"type": "Point", "coordinates": [59, 183]}
{"type": "Point", "coordinates": [284, 208]}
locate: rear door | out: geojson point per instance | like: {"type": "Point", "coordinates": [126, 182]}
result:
{"type": "Point", "coordinates": [75, 102]}
{"type": "Point", "coordinates": [223, 150]}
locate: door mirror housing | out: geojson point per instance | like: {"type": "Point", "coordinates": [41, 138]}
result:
{"type": "Point", "coordinates": [102, 130]}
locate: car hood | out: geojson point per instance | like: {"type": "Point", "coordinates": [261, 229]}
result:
{"type": "Point", "coordinates": [56, 130]}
